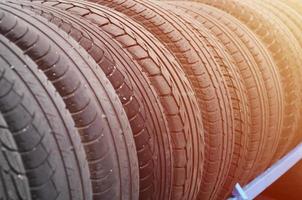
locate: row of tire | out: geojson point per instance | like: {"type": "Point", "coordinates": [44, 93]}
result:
{"type": "Point", "coordinates": [141, 99]}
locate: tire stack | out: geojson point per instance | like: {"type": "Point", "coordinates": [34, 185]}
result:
{"type": "Point", "coordinates": [145, 99]}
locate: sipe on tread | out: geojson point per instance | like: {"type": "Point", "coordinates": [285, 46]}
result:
{"type": "Point", "coordinates": [90, 98]}
{"type": "Point", "coordinates": [236, 91]}
{"type": "Point", "coordinates": [167, 79]}
{"type": "Point", "coordinates": [252, 60]}
{"type": "Point", "coordinates": [95, 42]}
{"type": "Point", "coordinates": [13, 181]}
{"type": "Point", "coordinates": [272, 36]}
{"type": "Point", "coordinates": [50, 147]}
{"type": "Point", "coordinates": [293, 21]}
{"type": "Point", "coordinates": [149, 16]}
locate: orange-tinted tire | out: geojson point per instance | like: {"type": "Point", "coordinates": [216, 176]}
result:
{"type": "Point", "coordinates": [271, 33]}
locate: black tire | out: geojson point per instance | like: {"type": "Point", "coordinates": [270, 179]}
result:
{"type": "Point", "coordinates": [13, 181]}
{"type": "Point", "coordinates": [88, 95]}
{"type": "Point", "coordinates": [50, 147]}
{"type": "Point", "coordinates": [111, 62]}
{"type": "Point", "coordinates": [271, 34]}
{"type": "Point", "coordinates": [175, 95]}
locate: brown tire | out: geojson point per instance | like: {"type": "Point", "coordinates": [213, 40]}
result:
{"type": "Point", "coordinates": [293, 21]}
{"type": "Point", "coordinates": [174, 95]}
{"type": "Point", "coordinates": [207, 77]}
{"type": "Point", "coordinates": [262, 83]}
{"type": "Point", "coordinates": [287, 61]}
{"type": "Point", "coordinates": [294, 12]}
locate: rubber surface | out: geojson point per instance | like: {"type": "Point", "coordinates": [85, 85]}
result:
{"type": "Point", "coordinates": [293, 21]}
{"type": "Point", "coordinates": [153, 145]}
{"type": "Point", "coordinates": [50, 147]}
{"type": "Point", "coordinates": [294, 49]}
{"type": "Point", "coordinates": [213, 180]}
{"type": "Point", "coordinates": [296, 15]}
{"type": "Point", "coordinates": [167, 79]}
{"type": "Point", "coordinates": [258, 73]}
{"type": "Point", "coordinates": [241, 114]}
{"type": "Point", "coordinates": [13, 181]}
{"type": "Point", "coordinates": [202, 67]}
{"type": "Point", "coordinates": [96, 42]}
{"type": "Point", "coordinates": [272, 35]}
{"type": "Point", "coordinates": [90, 98]}
{"type": "Point", "coordinates": [181, 39]}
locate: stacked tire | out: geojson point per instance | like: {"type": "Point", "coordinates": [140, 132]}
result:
{"type": "Point", "coordinates": [145, 99]}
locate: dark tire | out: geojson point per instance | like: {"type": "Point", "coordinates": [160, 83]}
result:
{"type": "Point", "coordinates": [279, 46]}
{"type": "Point", "coordinates": [51, 150]}
{"type": "Point", "coordinates": [261, 79]}
{"type": "Point", "coordinates": [88, 95]}
{"type": "Point", "coordinates": [173, 90]}
{"type": "Point", "coordinates": [13, 181]}
{"type": "Point", "coordinates": [112, 63]}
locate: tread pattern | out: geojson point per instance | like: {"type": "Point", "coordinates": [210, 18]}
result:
{"type": "Point", "coordinates": [254, 70]}
{"type": "Point", "coordinates": [237, 93]}
{"type": "Point", "coordinates": [167, 33]}
{"type": "Point", "coordinates": [293, 21]}
{"type": "Point", "coordinates": [152, 18]}
{"type": "Point", "coordinates": [167, 79]}
{"type": "Point", "coordinates": [51, 149]}
{"type": "Point", "coordinates": [90, 98]}
{"type": "Point", "coordinates": [272, 35]}
{"type": "Point", "coordinates": [153, 150]}
{"type": "Point", "coordinates": [89, 38]}
{"type": "Point", "coordinates": [13, 181]}
{"type": "Point", "coordinates": [214, 180]}
{"type": "Point", "coordinates": [177, 39]}
{"type": "Point", "coordinates": [296, 16]}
